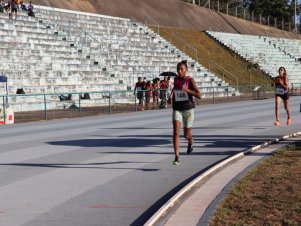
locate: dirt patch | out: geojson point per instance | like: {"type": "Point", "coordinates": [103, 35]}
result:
{"type": "Point", "coordinates": [169, 13]}
{"type": "Point", "coordinates": [268, 195]}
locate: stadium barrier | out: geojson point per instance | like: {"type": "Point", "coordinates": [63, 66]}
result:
{"type": "Point", "coordinates": [46, 106]}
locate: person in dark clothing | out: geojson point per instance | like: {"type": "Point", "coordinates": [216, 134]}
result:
{"type": "Point", "coordinates": [14, 9]}
{"type": "Point", "coordinates": [31, 13]}
{"type": "Point", "coordinates": [139, 88]}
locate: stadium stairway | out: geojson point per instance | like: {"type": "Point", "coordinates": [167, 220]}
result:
{"type": "Point", "coordinates": [63, 51]}
{"type": "Point", "coordinates": [269, 53]}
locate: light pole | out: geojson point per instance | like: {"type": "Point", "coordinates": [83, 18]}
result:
{"type": "Point", "coordinates": [249, 66]}
{"type": "Point", "coordinates": [296, 28]}
{"type": "Point", "coordinates": [296, 15]}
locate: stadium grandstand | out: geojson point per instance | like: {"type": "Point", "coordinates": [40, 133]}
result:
{"type": "Point", "coordinates": [77, 47]}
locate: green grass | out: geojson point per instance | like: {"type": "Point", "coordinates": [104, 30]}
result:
{"type": "Point", "coordinates": [209, 49]}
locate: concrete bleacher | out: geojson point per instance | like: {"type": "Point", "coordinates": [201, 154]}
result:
{"type": "Point", "coordinates": [290, 46]}
{"type": "Point", "coordinates": [62, 51]}
{"type": "Point", "coordinates": [269, 53]}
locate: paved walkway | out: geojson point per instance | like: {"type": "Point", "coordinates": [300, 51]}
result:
{"type": "Point", "coordinates": [116, 170]}
{"type": "Point", "coordinates": [200, 206]}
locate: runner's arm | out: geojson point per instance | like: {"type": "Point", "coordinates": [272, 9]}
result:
{"type": "Point", "coordinates": [284, 84]}
{"type": "Point", "coordinates": [170, 97]}
{"type": "Point", "coordinates": [195, 92]}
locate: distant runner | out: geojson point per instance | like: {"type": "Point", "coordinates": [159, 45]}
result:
{"type": "Point", "coordinates": [281, 91]}
{"type": "Point", "coordinates": [181, 98]}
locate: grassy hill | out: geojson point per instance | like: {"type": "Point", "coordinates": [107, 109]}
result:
{"type": "Point", "coordinates": [209, 50]}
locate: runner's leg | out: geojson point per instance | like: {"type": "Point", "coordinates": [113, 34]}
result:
{"type": "Point", "coordinates": [176, 138]}
{"type": "Point", "coordinates": [286, 107]}
{"type": "Point", "coordinates": [277, 105]}
{"type": "Point", "coordinates": [188, 135]}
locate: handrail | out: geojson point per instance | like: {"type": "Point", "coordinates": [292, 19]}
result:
{"type": "Point", "coordinates": [85, 32]}
{"type": "Point", "coordinates": [95, 39]}
{"type": "Point", "coordinates": [185, 44]}
{"type": "Point", "coordinates": [223, 70]}
{"type": "Point", "coordinates": [214, 27]}
{"type": "Point", "coordinates": [146, 23]}
{"type": "Point", "coordinates": [90, 92]}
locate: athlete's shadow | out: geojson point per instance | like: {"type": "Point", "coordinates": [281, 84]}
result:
{"type": "Point", "coordinates": [162, 144]}
{"type": "Point", "coordinates": [97, 165]}
{"type": "Point", "coordinates": [118, 142]}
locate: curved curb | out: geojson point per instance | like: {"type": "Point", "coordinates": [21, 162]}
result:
{"type": "Point", "coordinates": [152, 221]}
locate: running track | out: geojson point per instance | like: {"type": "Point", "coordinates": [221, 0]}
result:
{"type": "Point", "coordinates": [116, 169]}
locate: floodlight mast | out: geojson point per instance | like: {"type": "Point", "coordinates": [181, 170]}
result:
{"type": "Point", "coordinates": [296, 28]}
{"type": "Point", "coordinates": [296, 14]}
{"type": "Point", "coordinates": [208, 3]}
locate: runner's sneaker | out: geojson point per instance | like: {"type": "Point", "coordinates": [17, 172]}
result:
{"type": "Point", "coordinates": [176, 162]}
{"type": "Point", "coordinates": [277, 123]}
{"type": "Point", "coordinates": [289, 121]}
{"type": "Point", "coordinates": [190, 148]}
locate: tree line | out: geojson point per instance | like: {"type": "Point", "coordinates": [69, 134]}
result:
{"type": "Point", "coordinates": [280, 13]}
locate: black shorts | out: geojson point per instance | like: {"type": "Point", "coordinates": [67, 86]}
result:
{"type": "Point", "coordinates": [283, 96]}
{"type": "Point", "coordinates": [14, 8]}
{"type": "Point", "coordinates": [140, 95]}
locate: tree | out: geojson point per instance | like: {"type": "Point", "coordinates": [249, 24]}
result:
{"type": "Point", "coordinates": [279, 9]}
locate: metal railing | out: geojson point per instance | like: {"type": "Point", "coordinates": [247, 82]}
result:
{"type": "Point", "coordinates": [147, 18]}
{"type": "Point", "coordinates": [45, 106]}
{"type": "Point", "coordinates": [223, 71]}
{"type": "Point", "coordinates": [72, 26]}
{"type": "Point", "coordinates": [185, 44]}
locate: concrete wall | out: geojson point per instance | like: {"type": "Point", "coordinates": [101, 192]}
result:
{"type": "Point", "coordinates": [169, 13]}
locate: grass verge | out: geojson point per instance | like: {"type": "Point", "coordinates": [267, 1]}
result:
{"type": "Point", "coordinates": [268, 195]}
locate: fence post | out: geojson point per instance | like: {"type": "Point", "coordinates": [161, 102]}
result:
{"type": "Point", "coordinates": [236, 11]}
{"type": "Point", "coordinates": [213, 94]}
{"type": "Point", "coordinates": [135, 96]}
{"type": "Point", "coordinates": [110, 107]}
{"type": "Point", "coordinates": [79, 107]}
{"type": "Point", "coordinates": [4, 112]}
{"type": "Point", "coordinates": [228, 93]}
{"type": "Point", "coordinates": [45, 107]}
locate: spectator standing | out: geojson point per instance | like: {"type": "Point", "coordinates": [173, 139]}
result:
{"type": "Point", "coordinates": [139, 90]}
{"type": "Point", "coordinates": [164, 85]}
{"type": "Point", "coordinates": [31, 13]}
{"type": "Point", "coordinates": [148, 92]}
{"type": "Point", "coordinates": [1, 6]}
{"type": "Point", "coordinates": [14, 8]}
{"type": "Point", "coordinates": [22, 5]}
{"type": "Point", "coordinates": [6, 5]}
{"type": "Point", "coordinates": [156, 88]}
{"type": "Point", "coordinates": [30, 6]}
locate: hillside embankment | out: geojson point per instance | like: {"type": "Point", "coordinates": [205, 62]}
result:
{"type": "Point", "coordinates": [169, 13]}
